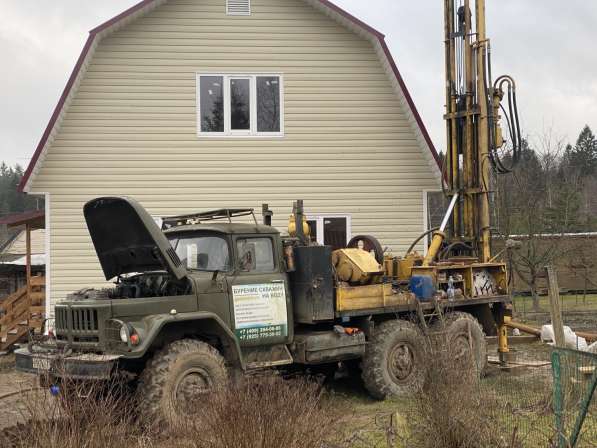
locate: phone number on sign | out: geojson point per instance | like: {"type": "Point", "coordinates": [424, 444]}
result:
{"type": "Point", "coordinates": [258, 333]}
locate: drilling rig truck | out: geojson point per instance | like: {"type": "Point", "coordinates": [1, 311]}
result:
{"type": "Point", "coordinates": [209, 295]}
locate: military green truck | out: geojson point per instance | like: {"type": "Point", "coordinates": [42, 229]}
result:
{"type": "Point", "coordinates": [200, 300]}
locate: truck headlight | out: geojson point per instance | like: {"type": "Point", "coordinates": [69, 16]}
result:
{"type": "Point", "coordinates": [124, 333]}
{"type": "Point", "coordinates": [129, 335]}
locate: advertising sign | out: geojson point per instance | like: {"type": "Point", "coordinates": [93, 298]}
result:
{"type": "Point", "coordinates": [260, 311]}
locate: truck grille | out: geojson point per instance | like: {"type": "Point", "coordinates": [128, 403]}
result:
{"type": "Point", "coordinates": [82, 324]}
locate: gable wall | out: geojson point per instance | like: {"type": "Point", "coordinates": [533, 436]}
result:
{"type": "Point", "coordinates": [131, 129]}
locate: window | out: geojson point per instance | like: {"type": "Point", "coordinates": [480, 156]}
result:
{"type": "Point", "coordinates": [240, 105]}
{"type": "Point", "coordinates": [211, 103]}
{"type": "Point", "coordinates": [255, 254]}
{"type": "Point", "coordinates": [330, 230]}
{"type": "Point", "coordinates": [268, 104]}
{"type": "Point", "coordinates": [204, 252]}
{"type": "Point", "coordinates": [238, 7]}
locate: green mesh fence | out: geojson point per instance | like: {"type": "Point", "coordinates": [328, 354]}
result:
{"type": "Point", "coordinates": [574, 402]}
{"type": "Point", "coordinates": [519, 397]}
{"type": "Point", "coordinates": [544, 398]}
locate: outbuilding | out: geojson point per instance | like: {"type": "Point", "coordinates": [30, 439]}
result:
{"type": "Point", "coordinates": [192, 105]}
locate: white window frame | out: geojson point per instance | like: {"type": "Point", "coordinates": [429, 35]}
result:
{"type": "Point", "coordinates": [229, 133]}
{"type": "Point", "coordinates": [320, 218]}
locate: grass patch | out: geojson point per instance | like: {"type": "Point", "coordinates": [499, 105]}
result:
{"type": "Point", "coordinates": [570, 302]}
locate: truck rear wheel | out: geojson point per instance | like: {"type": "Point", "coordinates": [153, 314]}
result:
{"type": "Point", "coordinates": [466, 340]}
{"type": "Point", "coordinates": [394, 362]}
{"type": "Point", "coordinates": [177, 376]}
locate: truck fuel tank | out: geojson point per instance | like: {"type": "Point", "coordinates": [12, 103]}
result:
{"type": "Point", "coordinates": [320, 347]}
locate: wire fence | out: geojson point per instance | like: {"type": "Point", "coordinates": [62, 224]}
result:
{"type": "Point", "coordinates": [542, 398]}
{"type": "Point", "coordinates": [574, 403]}
{"type": "Point", "coordinates": [520, 396]}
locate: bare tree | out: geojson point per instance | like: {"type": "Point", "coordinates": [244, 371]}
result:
{"type": "Point", "coordinates": [538, 198]}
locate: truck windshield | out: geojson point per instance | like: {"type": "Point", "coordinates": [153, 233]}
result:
{"type": "Point", "coordinates": [202, 252]}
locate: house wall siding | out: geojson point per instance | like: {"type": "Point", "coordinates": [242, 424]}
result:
{"type": "Point", "coordinates": [131, 129]}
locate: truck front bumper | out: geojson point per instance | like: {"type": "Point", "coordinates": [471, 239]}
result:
{"type": "Point", "coordinates": [83, 366]}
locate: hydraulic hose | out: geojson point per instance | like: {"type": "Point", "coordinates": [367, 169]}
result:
{"type": "Point", "coordinates": [420, 237]}
{"type": "Point", "coordinates": [513, 123]}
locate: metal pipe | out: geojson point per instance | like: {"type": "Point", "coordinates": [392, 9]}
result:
{"type": "Point", "coordinates": [442, 227]}
{"type": "Point", "coordinates": [483, 130]}
{"type": "Point", "coordinates": [590, 337]}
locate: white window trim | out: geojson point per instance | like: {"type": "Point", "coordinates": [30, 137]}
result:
{"type": "Point", "coordinates": [319, 218]}
{"type": "Point", "coordinates": [228, 133]}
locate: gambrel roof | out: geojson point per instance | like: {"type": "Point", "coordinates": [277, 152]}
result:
{"type": "Point", "coordinates": [145, 6]}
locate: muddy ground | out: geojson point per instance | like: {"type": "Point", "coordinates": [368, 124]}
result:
{"type": "Point", "coordinates": [12, 383]}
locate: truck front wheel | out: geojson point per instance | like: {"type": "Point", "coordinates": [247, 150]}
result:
{"type": "Point", "coordinates": [177, 376]}
{"type": "Point", "coordinates": [394, 362]}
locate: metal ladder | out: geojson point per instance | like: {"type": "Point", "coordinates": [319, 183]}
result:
{"type": "Point", "coordinates": [425, 317]}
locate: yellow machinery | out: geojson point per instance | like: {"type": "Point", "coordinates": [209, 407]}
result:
{"type": "Point", "coordinates": [355, 266]}
{"type": "Point", "coordinates": [474, 138]}
{"type": "Point", "coordinates": [475, 145]}
{"type": "Point", "coordinates": [458, 266]}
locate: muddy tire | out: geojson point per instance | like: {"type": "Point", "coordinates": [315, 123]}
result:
{"type": "Point", "coordinates": [463, 331]}
{"type": "Point", "coordinates": [178, 375]}
{"type": "Point", "coordinates": [394, 362]}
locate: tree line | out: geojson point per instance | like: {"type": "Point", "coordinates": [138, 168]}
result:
{"type": "Point", "coordinates": [553, 189]}
{"type": "Point", "coordinates": [11, 201]}
{"type": "Point", "coordinates": [550, 193]}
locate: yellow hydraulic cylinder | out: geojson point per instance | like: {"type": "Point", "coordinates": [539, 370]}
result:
{"type": "Point", "coordinates": [439, 236]}
{"type": "Point", "coordinates": [436, 244]}
{"type": "Point", "coordinates": [503, 336]}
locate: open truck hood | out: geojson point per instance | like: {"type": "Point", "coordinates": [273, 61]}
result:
{"type": "Point", "coordinates": [127, 239]}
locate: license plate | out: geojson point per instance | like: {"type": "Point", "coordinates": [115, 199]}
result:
{"type": "Point", "coordinates": [41, 363]}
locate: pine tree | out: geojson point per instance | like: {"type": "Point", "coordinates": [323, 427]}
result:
{"type": "Point", "coordinates": [11, 201]}
{"type": "Point", "coordinates": [583, 156]}
{"type": "Point", "coordinates": [563, 216]}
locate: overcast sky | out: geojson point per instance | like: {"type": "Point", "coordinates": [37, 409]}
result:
{"type": "Point", "coordinates": [547, 46]}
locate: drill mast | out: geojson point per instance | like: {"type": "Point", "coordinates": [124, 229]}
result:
{"type": "Point", "coordinates": [474, 138]}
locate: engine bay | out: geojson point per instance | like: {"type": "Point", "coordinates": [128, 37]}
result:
{"type": "Point", "coordinates": [152, 284]}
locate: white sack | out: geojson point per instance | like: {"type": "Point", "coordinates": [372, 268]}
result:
{"type": "Point", "coordinates": [571, 340]}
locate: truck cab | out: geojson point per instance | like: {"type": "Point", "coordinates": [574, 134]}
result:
{"type": "Point", "coordinates": [240, 275]}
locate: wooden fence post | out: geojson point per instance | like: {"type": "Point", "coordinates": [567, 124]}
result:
{"type": "Point", "coordinates": [555, 308]}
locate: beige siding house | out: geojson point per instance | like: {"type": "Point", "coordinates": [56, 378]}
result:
{"type": "Point", "coordinates": [191, 105]}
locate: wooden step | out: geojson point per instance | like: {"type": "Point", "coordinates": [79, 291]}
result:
{"type": "Point", "coordinates": [37, 309]}
{"type": "Point", "coordinates": [13, 338]}
{"type": "Point", "coordinates": [21, 312]}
